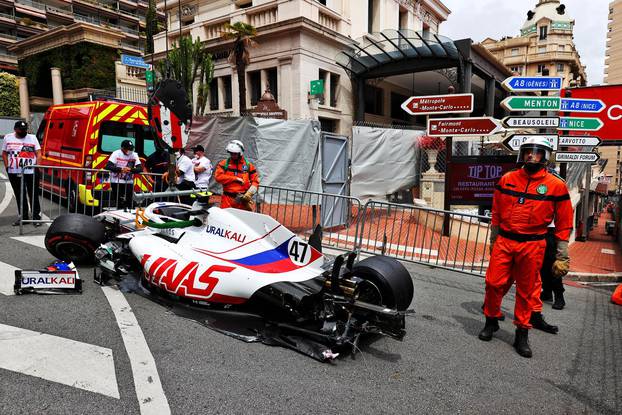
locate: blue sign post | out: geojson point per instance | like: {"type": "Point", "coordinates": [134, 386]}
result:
{"type": "Point", "coordinates": [532, 84]}
{"type": "Point", "coordinates": [582, 105]}
{"type": "Point", "coordinates": [135, 61]}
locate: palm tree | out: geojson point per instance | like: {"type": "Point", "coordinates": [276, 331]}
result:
{"type": "Point", "coordinates": [189, 63]}
{"type": "Point", "coordinates": [242, 35]}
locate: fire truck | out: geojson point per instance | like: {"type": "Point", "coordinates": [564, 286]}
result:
{"type": "Point", "coordinates": [83, 135]}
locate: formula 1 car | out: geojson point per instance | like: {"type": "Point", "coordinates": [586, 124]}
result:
{"type": "Point", "coordinates": [243, 263]}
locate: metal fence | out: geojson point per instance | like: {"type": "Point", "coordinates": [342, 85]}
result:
{"type": "Point", "coordinates": [301, 211]}
{"type": "Point", "coordinates": [451, 240]}
{"type": "Point", "coordinates": [60, 190]}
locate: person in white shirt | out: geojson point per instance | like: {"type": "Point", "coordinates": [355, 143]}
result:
{"type": "Point", "coordinates": [21, 150]}
{"type": "Point", "coordinates": [123, 164]}
{"type": "Point", "coordinates": [184, 172]}
{"type": "Point", "coordinates": [202, 167]}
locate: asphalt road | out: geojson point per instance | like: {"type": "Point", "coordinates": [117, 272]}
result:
{"type": "Point", "coordinates": [440, 367]}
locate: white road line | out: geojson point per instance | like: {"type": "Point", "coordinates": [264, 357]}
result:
{"type": "Point", "coordinates": [8, 194]}
{"type": "Point", "coordinates": [81, 365]}
{"type": "Point", "coordinates": [149, 392]}
{"type": "Point", "coordinates": [36, 240]}
{"type": "Point", "coordinates": [7, 278]}
{"type": "Point", "coordinates": [608, 251]}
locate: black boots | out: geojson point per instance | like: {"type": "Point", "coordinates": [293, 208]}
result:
{"type": "Point", "coordinates": [537, 321]}
{"type": "Point", "coordinates": [546, 295]}
{"type": "Point", "coordinates": [521, 342]}
{"type": "Point", "coordinates": [491, 326]}
{"type": "Point", "coordinates": [559, 303]}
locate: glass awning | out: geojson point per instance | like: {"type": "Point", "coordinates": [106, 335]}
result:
{"type": "Point", "coordinates": [389, 46]}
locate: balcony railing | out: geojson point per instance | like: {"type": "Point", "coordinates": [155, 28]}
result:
{"type": "Point", "coordinates": [127, 45]}
{"type": "Point", "coordinates": [31, 3]}
{"type": "Point", "coordinates": [9, 36]}
{"type": "Point", "coordinates": [263, 17]}
{"type": "Point", "coordinates": [58, 10]}
{"type": "Point", "coordinates": [214, 31]}
{"type": "Point", "coordinates": [328, 21]}
{"type": "Point", "coordinates": [7, 16]}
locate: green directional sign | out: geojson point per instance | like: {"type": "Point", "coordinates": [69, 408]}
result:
{"type": "Point", "coordinates": [149, 76]}
{"type": "Point", "coordinates": [531, 103]}
{"type": "Point", "coordinates": [317, 87]}
{"type": "Point", "coordinates": [580, 124]}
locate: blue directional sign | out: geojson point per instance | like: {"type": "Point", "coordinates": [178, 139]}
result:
{"type": "Point", "coordinates": [535, 83]}
{"type": "Point", "coordinates": [581, 105]}
{"type": "Point", "coordinates": [136, 61]}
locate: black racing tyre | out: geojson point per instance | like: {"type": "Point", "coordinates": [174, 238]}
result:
{"type": "Point", "coordinates": [390, 277]}
{"type": "Point", "coordinates": [75, 237]}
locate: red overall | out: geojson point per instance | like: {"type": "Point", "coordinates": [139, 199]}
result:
{"type": "Point", "coordinates": [523, 206]}
{"type": "Point", "coordinates": [227, 172]}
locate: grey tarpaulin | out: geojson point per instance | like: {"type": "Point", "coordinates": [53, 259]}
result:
{"type": "Point", "coordinates": [286, 153]}
{"type": "Point", "coordinates": [384, 161]}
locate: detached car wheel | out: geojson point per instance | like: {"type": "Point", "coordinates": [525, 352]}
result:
{"type": "Point", "coordinates": [389, 285]}
{"type": "Point", "coordinates": [75, 237]}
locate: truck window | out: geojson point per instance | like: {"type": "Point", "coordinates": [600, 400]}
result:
{"type": "Point", "coordinates": [112, 133]}
{"type": "Point", "coordinates": [41, 132]}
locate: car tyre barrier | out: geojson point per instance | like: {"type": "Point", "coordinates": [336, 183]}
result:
{"type": "Point", "coordinates": [75, 237]}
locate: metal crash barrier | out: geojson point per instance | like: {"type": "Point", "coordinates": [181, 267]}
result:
{"type": "Point", "coordinates": [450, 240]}
{"type": "Point", "coordinates": [61, 190]}
{"type": "Point", "coordinates": [301, 211]}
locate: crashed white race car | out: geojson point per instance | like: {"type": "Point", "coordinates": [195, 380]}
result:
{"type": "Point", "coordinates": [236, 263]}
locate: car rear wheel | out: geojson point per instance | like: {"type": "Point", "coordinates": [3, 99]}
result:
{"type": "Point", "coordinates": [75, 237]}
{"type": "Point", "coordinates": [386, 282]}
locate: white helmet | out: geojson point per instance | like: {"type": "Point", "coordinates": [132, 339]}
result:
{"type": "Point", "coordinates": [235, 146]}
{"type": "Point", "coordinates": [536, 144]}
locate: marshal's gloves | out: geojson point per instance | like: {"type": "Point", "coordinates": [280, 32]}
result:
{"type": "Point", "coordinates": [494, 232]}
{"type": "Point", "coordinates": [562, 260]}
{"type": "Point", "coordinates": [248, 196]}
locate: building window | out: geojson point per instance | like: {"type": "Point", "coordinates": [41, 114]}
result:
{"type": "Point", "coordinates": [323, 75]}
{"type": "Point", "coordinates": [226, 81]}
{"type": "Point", "coordinates": [403, 19]}
{"type": "Point", "coordinates": [560, 68]}
{"type": "Point", "coordinates": [426, 31]}
{"type": "Point", "coordinates": [328, 125]}
{"type": "Point", "coordinates": [561, 48]}
{"type": "Point", "coordinates": [374, 98]}
{"type": "Point", "coordinates": [273, 82]}
{"type": "Point", "coordinates": [517, 69]}
{"type": "Point", "coordinates": [254, 86]}
{"type": "Point", "coordinates": [542, 49]}
{"type": "Point", "coordinates": [243, 4]}
{"type": "Point", "coordinates": [514, 51]}
{"type": "Point", "coordinates": [213, 94]}
{"type": "Point", "coordinates": [396, 106]}
{"type": "Point", "coordinates": [541, 68]}
{"type": "Point", "coordinates": [321, 2]}
{"type": "Point", "coordinates": [373, 16]}
{"type": "Point", "coordinates": [334, 84]}
{"type": "Point", "coordinates": [544, 31]}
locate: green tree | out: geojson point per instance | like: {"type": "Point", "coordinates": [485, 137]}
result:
{"type": "Point", "coordinates": [152, 26]}
{"type": "Point", "coordinates": [191, 64]}
{"type": "Point", "coordinates": [9, 95]}
{"type": "Point", "coordinates": [242, 35]}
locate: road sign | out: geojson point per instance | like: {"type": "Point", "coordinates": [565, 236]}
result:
{"type": "Point", "coordinates": [514, 141]}
{"type": "Point", "coordinates": [581, 141]}
{"type": "Point", "coordinates": [442, 127]}
{"type": "Point", "coordinates": [530, 122]}
{"type": "Point", "coordinates": [531, 103]}
{"type": "Point", "coordinates": [149, 76]}
{"type": "Point", "coordinates": [580, 124]}
{"type": "Point", "coordinates": [539, 83]}
{"type": "Point", "coordinates": [137, 61]}
{"type": "Point", "coordinates": [582, 105]}
{"type": "Point", "coordinates": [567, 157]}
{"type": "Point", "coordinates": [317, 87]}
{"type": "Point", "coordinates": [439, 104]}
